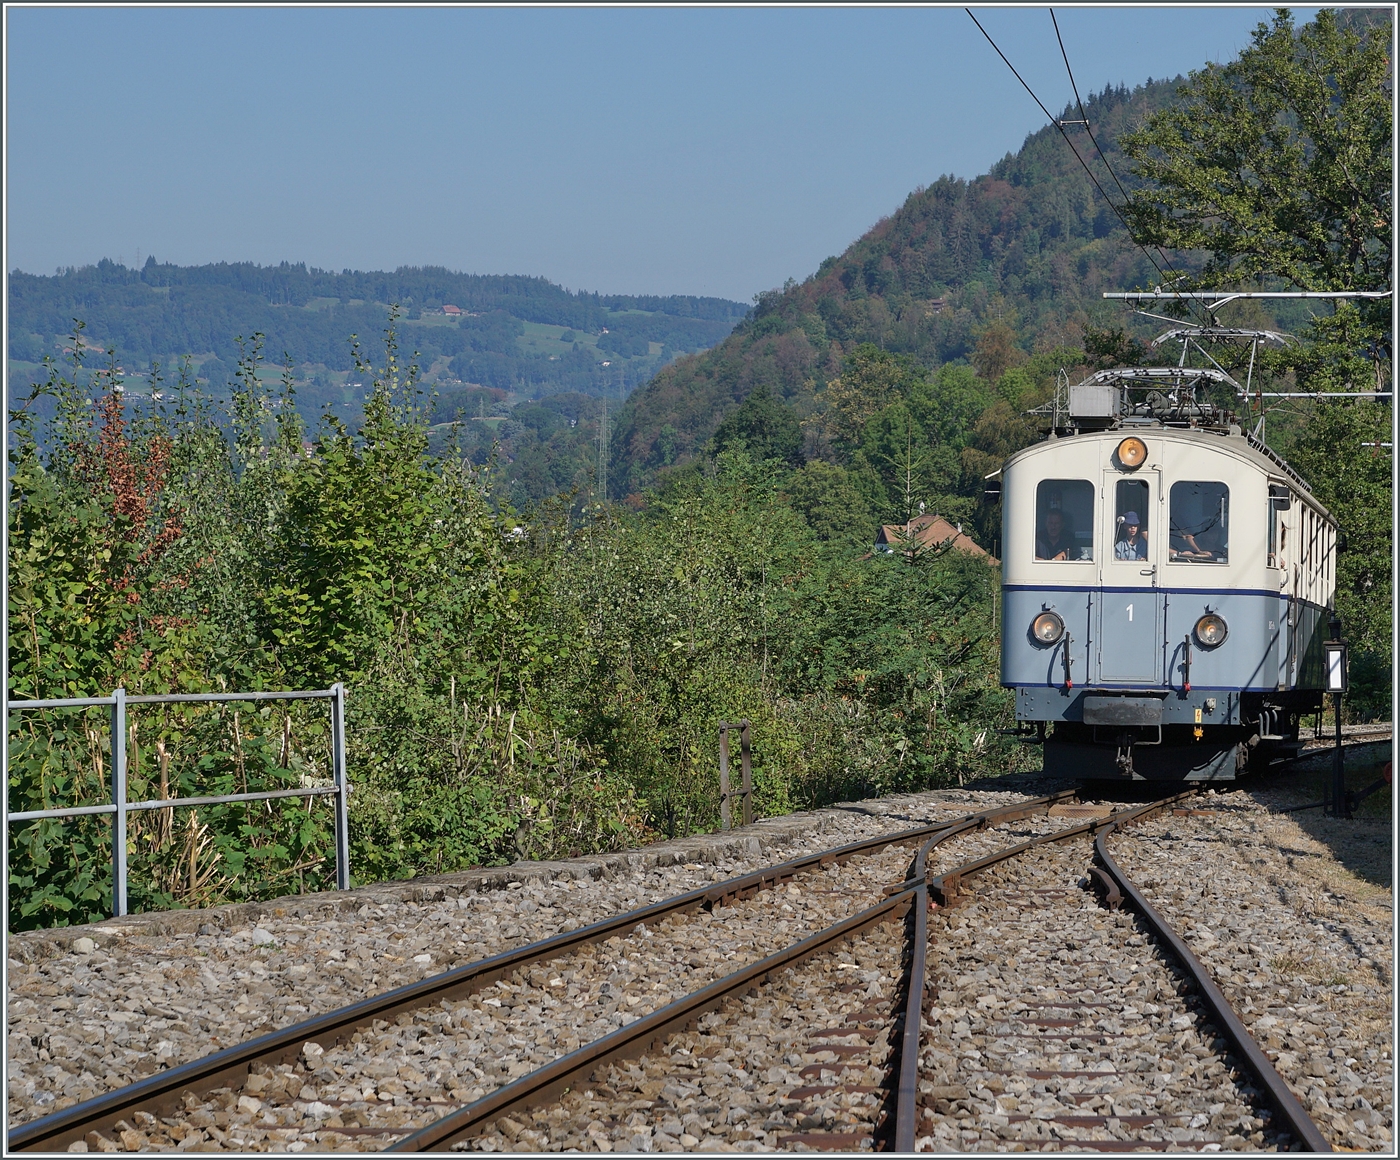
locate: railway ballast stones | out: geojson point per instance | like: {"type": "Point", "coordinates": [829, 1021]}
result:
{"type": "Point", "coordinates": [1301, 947]}
{"type": "Point", "coordinates": [162, 989]}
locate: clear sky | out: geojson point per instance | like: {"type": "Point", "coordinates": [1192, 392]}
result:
{"type": "Point", "coordinates": [624, 150]}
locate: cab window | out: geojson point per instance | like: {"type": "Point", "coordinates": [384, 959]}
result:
{"type": "Point", "coordinates": [1200, 522]}
{"type": "Point", "coordinates": [1130, 520]}
{"type": "Point", "coordinates": [1064, 519]}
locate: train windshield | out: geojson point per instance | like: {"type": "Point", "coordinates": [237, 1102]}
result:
{"type": "Point", "coordinates": [1130, 520]}
{"type": "Point", "coordinates": [1064, 519]}
{"type": "Point", "coordinates": [1200, 522]}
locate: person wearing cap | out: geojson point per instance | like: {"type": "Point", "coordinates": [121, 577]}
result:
{"type": "Point", "coordinates": [1133, 545]}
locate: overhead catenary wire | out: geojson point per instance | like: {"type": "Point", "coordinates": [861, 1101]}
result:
{"type": "Point", "coordinates": [1089, 172]}
{"type": "Point", "coordinates": [1084, 120]}
{"type": "Point", "coordinates": [1221, 297]}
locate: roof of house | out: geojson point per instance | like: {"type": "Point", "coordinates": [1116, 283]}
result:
{"type": "Point", "coordinates": [452, 310]}
{"type": "Point", "coordinates": [928, 531]}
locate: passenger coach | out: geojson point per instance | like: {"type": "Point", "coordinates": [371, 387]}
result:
{"type": "Point", "coordinates": [1167, 583]}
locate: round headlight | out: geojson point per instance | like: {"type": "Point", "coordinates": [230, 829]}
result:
{"type": "Point", "coordinates": [1132, 453]}
{"type": "Point", "coordinates": [1047, 628]}
{"type": "Point", "coordinates": [1211, 631]}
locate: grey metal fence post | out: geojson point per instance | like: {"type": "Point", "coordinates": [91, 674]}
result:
{"type": "Point", "coordinates": [746, 772]}
{"type": "Point", "coordinates": [725, 819]}
{"type": "Point", "coordinates": [119, 800]}
{"type": "Point", "coordinates": [342, 788]}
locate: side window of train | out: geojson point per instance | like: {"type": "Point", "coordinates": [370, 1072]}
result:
{"type": "Point", "coordinates": [1131, 513]}
{"type": "Point", "coordinates": [1200, 522]}
{"type": "Point", "coordinates": [1275, 527]}
{"type": "Point", "coordinates": [1064, 519]}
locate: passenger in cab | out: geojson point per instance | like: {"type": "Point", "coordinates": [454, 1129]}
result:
{"type": "Point", "coordinates": [1133, 544]}
{"type": "Point", "coordinates": [1200, 518]}
{"type": "Point", "coordinates": [1054, 542]}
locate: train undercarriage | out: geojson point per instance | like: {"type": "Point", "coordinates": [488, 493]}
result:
{"type": "Point", "coordinates": [1120, 750]}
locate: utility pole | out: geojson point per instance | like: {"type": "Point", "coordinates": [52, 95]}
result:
{"type": "Point", "coordinates": [603, 451]}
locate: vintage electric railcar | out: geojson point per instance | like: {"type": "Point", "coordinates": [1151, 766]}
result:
{"type": "Point", "coordinates": [1167, 581]}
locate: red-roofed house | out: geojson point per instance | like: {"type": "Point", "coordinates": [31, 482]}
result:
{"type": "Point", "coordinates": [452, 310]}
{"type": "Point", "coordinates": [926, 531]}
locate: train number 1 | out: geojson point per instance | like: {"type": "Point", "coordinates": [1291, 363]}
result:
{"type": "Point", "coordinates": [1130, 614]}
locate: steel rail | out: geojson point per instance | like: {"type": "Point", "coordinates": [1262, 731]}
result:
{"type": "Point", "coordinates": [907, 1084]}
{"type": "Point", "coordinates": [1287, 1104]}
{"type": "Point", "coordinates": [163, 1091]}
{"type": "Point", "coordinates": [1314, 749]}
{"type": "Point", "coordinates": [552, 1080]}
{"type": "Point", "coordinates": [946, 887]}
{"type": "Point", "coordinates": [1379, 730]}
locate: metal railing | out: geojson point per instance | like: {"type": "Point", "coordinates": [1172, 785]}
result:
{"type": "Point", "coordinates": [119, 807]}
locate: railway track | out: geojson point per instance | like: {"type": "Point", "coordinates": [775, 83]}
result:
{"type": "Point", "coordinates": [298, 1081]}
{"type": "Point", "coordinates": [807, 1035]}
{"type": "Point", "coordinates": [1354, 734]}
{"type": "Point", "coordinates": [1117, 1040]}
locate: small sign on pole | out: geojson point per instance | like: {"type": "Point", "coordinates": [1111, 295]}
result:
{"type": "Point", "coordinates": [1334, 657]}
{"type": "Point", "coordinates": [1334, 653]}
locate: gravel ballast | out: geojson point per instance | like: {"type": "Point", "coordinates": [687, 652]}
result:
{"type": "Point", "coordinates": [94, 1008]}
{"type": "Point", "coordinates": [1302, 949]}
{"type": "Point", "coordinates": [1299, 944]}
{"type": "Point", "coordinates": [1054, 1023]}
{"type": "Point", "coordinates": [800, 1065]}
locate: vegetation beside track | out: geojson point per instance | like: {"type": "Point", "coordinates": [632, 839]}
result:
{"type": "Point", "coordinates": [519, 686]}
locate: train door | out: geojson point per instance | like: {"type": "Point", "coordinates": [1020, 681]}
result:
{"type": "Point", "coordinates": [1301, 591]}
{"type": "Point", "coordinates": [1130, 612]}
{"type": "Point", "coordinates": [1288, 551]}
{"type": "Point", "coordinates": [1279, 501]}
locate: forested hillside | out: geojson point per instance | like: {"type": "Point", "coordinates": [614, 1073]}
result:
{"type": "Point", "coordinates": [900, 372]}
{"type": "Point", "coordinates": [516, 341]}
{"type": "Point", "coordinates": [990, 272]}
{"type": "Point", "coordinates": [163, 311]}
{"type": "Point", "coordinates": [1012, 263]}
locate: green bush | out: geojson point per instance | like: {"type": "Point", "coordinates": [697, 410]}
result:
{"type": "Point", "coordinates": [518, 687]}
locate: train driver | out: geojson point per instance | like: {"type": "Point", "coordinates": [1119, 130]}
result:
{"type": "Point", "coordinates": [1200, 513]}
{"type": "Point", "coordinates": [1184, 546]}
{"type": "Point", "coordinates": [1133, 544]}
{"type": "Point", "coordinates": [1055, 542]}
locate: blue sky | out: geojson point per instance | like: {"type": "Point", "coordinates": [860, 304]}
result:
{"type": "Point", "coordinates": [698, 151]}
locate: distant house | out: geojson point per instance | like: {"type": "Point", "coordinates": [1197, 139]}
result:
{"type": "Point", "coordinates": [452, 310]}
{"type": "Point", "coordinates": [936, 305]}
{"type": "Point", "coordinates": [926, 531]}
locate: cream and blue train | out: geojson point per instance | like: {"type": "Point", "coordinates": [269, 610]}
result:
{"type": "Point", "coordinates": [1167, 582]}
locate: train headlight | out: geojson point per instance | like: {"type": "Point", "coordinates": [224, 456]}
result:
{"type": "Point", "coordinates": [1047, 628]}
{"type": "Point", "coordinates": [1211, 630]}
{"type": "Point", "coordinates": [1132, 453]}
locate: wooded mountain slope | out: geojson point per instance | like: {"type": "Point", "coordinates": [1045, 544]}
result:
{"type": "Point", "coordinates": [1030, 244]}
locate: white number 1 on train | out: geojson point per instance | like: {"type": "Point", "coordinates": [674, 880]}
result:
{"type": "Point", "coordinates": [1130, 613]}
